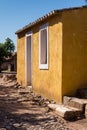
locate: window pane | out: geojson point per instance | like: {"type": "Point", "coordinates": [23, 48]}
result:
{"type": "Point", "coordinates": [43, 49]}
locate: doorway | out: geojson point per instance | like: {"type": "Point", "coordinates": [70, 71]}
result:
{"type": "Point", "coordinates": [28, 59]}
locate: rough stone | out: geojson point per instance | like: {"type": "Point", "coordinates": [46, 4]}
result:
{"type": "Point", "coordinates": [29, 88]}
{"type": "Point", "coordinates": [65, 112]}
{"type": "Point", "coordinates": [23, 91]}
{"type": "Point", "coordinates": [75, 102]}
{"type": "Point", "coordinates": [66, 100]}
{"type": "Point", "coordinates": [86, 111]}
{"type": "Point", "coordinates": [7, 77]}
{"type": "Point", "coordinates": [16, 125]}
{"type": "Point", "coordinates": [22, 112]}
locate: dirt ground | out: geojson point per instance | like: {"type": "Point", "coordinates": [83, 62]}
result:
{"type": "Point", "coordinates": [24, 110]}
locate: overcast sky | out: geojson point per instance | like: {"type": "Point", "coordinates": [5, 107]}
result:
{"type": "Point", "coordinates": [14, 14]}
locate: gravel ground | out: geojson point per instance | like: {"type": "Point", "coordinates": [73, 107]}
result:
{"type": "Point", "coordinates": [24, 110]}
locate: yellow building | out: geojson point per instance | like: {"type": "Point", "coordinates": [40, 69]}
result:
{"type": "Point", "coordinates": [52, 53]}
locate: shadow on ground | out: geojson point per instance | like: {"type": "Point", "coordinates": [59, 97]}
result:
{"type": "Point", "coordinates": [18, 112]}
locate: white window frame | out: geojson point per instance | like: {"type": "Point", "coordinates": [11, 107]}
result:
{"type": "Point", "coordinates": [43, 66]}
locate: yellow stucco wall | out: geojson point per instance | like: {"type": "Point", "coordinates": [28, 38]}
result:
{"type": "Point", "coordinates": [47, 82]}
{"type": "Point", "coordinates": [67, 56]}
{"type": "Point", "coordinates": [74, 50]}
{"type": "Point", "coordinates": [21, 60]}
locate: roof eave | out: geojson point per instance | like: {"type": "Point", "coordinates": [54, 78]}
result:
{"type": "Point", "coordinates": [37, 21]}
{"type": "Point", "coordinates": [45, 17]}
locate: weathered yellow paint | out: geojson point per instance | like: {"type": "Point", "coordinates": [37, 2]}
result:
{"type": "Point", "coordinates": [74, 50]}
{"type": "Point", "coordinates": [47, 82]}
{"type": "Point", "coordinates": [21, 61]}
{"type": "Point", "coordinates": [67, 56]}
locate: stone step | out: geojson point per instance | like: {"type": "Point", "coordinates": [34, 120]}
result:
{"type": "Point", "coordinates": [75, 102]}
{"type": "Point", "coordinates": [26, 90]}
{"type": "Point", "coordinates": [86, 111]}
{"type": "Point", "coordinates": [67, 113]}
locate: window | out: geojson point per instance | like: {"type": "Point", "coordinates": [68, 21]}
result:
{"type": "Point", "coordinates": [43, 47]}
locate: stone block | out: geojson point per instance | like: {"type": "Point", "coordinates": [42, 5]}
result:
{"type": "Point", "coordinates": [86, 111]}
{"type": "Point", "coordinates": [75, 102]}
{"type": "Point", "coordinates": [65, 112]}
{"type": "Point", "coordinates": [66, 100]}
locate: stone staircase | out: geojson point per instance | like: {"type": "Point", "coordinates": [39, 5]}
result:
{"type": "Point", "coordinates": [73, 108]}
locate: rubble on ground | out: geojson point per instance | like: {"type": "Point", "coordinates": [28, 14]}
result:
{"type": "Point", "coordinates": [22, 109]}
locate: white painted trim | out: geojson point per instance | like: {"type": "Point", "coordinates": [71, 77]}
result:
{"type": "Point", "coordinates": [43, 66]}
{"type": "Point", "coordinates": [26, 35]}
